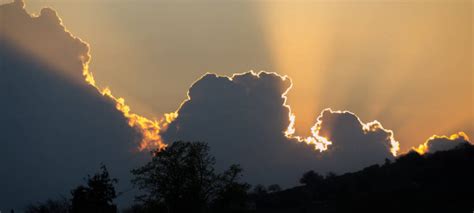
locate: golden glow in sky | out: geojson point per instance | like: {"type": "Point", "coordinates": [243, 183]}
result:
{"type": "Point", "coordinates": [407, 64]}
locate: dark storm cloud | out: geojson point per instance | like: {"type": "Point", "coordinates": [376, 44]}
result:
{"type": "Point", "coordinates": [54, 128]}
{"type": "Point", "coordinates": [244, 118]}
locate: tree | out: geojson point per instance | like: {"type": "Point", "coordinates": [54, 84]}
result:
{"type": "Point", "coordinates": [260, 189]}
{"type": "Point", "coordinates": [274, 188]}
{"type": "Point", "coordinates": [311, 178]}
{"type": "Point", "coordinates": [49, 206]}
{"type": "Point", "coordinates": [182, 178]}
{"type": "Point", "coordinates": [231, 195]}
{"type": "Point", "coordinates": [440, 182]}
{"type": "Point", "coordinates": [97, 196]}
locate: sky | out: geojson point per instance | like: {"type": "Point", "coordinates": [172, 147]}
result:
{"type": "Point", "coordinates": [407, 64]}
{"type": "Point", "coordinates": [347, 84]}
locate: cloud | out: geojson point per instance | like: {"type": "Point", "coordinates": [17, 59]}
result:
{"type": "Point", "coordinates": [351, 138]}
{"type": "Point", "coordinates": [442, 143]}
{"type": "Point", "coordinates": [56, 127]}
{"type": "Point", "coordinates": [58, 124]}
{"type": "Point", "coordinates": [245, 120]}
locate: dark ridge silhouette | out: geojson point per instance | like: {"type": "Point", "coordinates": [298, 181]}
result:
{"type": "Point", "coordinates": [182, 178]}
{"type": "Point", "coordinates": [434, 182]}
{"type": "Point", "coordinates": [61, 205]}
{"type": "Point", "coordinates": [438, 182]}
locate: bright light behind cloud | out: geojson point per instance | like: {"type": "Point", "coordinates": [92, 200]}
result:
{"type": "Point", "coordinates": [402, 63]}
{"type": "Point", "coordinates": [407, 64]}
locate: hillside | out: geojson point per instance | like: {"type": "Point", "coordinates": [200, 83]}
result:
{"type": "Point", "coordinates": [438, 182]}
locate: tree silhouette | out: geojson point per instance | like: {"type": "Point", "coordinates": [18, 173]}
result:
{"type": "Point", "coordinates": [182, 178]}
{"type": "Point", "coordinates": [311, 179]}
{"type": "Point", "coordinates": [433, 182]}
{"type": "Point", "coordinates": [231, 195]}
{"type": "Point", "coordinates": [97, 196]}
{"type": "Point", "coordinates": [274, 188]}
{"type": "Point", "coordinates": [260, 189]}
{"type": "Point", "coordinates": [50, 206]}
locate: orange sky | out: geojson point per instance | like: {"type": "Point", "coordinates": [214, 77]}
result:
{"type": "Point", "coordinates": [407, 64]}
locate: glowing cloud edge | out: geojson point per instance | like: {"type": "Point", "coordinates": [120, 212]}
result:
{"type": "Point", "coordinates": [424, 147]}
{"type": "Point", "coordinates": [319, 142]}
{"type": "Point", "coordinates": [150, 129]}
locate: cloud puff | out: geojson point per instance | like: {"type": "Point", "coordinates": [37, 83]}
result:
{"type": "Point", "coordinates": [59, 125]}
{"type": "Point", "coordinates": [352, 139]}
{"type": "Point", "coordinates": [55, 127]}
{"type": "Point", "coordinates": [244, 119]}
{"type": "Point", "coordinates": [442, 143]}
{"type": "Point", "coordinates": [44, 38]}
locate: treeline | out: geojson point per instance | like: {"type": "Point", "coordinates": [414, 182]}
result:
{"type": "Point", "coordinates": [182, 178]}
{"type": "Point", "coordinates": [439, 182]}
{"type": "Point", "coordinates": [96, 196]}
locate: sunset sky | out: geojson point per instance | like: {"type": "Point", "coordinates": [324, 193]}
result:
{"type": "Point", "coordinates": [407, 64]}
{"type": "Point", "coordinates": [365, 74]}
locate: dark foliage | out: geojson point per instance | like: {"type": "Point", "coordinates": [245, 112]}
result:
{"type": "Point", "coordinates": [182, 178]}
{"type": "Point", "coordinates": [97, 196]}
{"type": "Point", "coordinates": [50, 206]}
{"type": "Point", "coordinates": [231, 195]}
{"type": "Point", "coordinates": [274, 188]}
{"type": "Point", "coordinates": [439, 182]}
{"type": "Point", "coordinates": [312, 179]}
